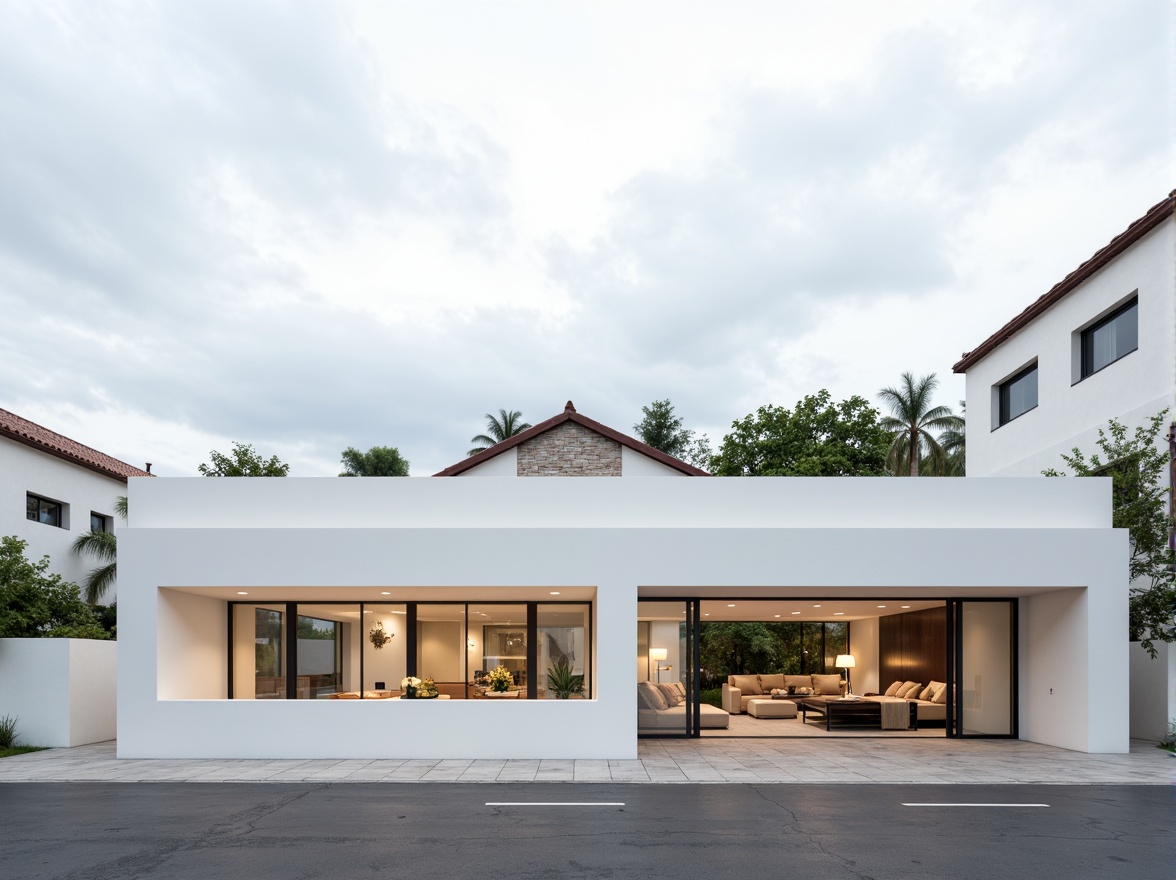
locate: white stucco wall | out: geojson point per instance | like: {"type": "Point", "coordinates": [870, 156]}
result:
{"type": "Point", "coordinates": [634, 464]}
{"type": "Point", "coordinates": [1067, 415]}
{"type": "Point", "coordinates": [24, 470]}
{"type": "Point", "coordinates": [61, 690]}
{"type": "Point", "coordinates": [1153, 692]}
{"type": "Point", "coordinates": [505, 464]}
{"type": "Point", "coordinates": [353, 539]}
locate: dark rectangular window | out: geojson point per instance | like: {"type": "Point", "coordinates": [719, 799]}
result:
{"type": "Point", "coordinates": [1018, 395]}
{"type": "Point", "coordinates": [1111, 338]}
{"type": "Point", "coordinates": [99, 523]}
{"type": "Point", "coordinates": [43, 510]}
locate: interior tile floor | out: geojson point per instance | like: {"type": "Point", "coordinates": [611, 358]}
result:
{"type": "Point", "coordinates": [719, 760]}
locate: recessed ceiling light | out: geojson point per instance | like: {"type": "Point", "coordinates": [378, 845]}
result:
{"type": "Point", "coordinates": [777, 615]}
{"type": "Point", "coordinates": [555, 592]}
{"type": "Point", "coordinates": [796, 612]}
{"type": "Point", "coordinates": [904, 606]}
{"type": "Point", "coordinates": [816, 606]}
{"type": "Point", "coordinates": [731, 605]}
{"type": "Point", "coordinates": [707, 614]}
{"type": "Point", "coordinates": [242, 593]}
{"type": "Point", "coordinates": [385, 593]}
{"type": "Point", "coordinates": [881, 606]}
{"type": "Point", "coordinates": [838, 613]}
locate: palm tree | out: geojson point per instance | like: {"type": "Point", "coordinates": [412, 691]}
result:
{"type": "Point", "coordinates": [953, 443]}
{"type": "Point", "coordinates": [103, 546]}
{"type": "Point", "coordinates": [498, 428]}
{"type": "Point", "coordinates": [911, 421]}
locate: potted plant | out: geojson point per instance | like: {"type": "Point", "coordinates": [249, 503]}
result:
{"type": "Point", "coordinates": [563, 682]}
{"type": "Point", "coordinates": [500, 679]}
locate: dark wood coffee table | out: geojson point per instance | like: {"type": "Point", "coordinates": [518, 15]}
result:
{"type": "Point", "coordinates": [849, 713]}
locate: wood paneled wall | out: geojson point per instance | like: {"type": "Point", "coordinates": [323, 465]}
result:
{"type": "Point", "coordinates": [912, 647]}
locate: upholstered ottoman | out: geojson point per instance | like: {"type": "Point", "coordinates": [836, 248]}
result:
{"type": "Point", "coordinates": [770, 708]}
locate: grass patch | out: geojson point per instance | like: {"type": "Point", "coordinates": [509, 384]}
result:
{"type": "Point", "coordinates": [20, 750]}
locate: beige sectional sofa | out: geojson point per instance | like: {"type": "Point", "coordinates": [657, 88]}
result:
{"type": "Point", "coordinates": [931, 698]}
{"type": "Point", "coordinates": [741, 688]}
{"type": "Point", "coordinates": [661, 708]}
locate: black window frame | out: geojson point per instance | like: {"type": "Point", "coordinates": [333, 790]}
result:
{"type": "Point", "coordinates": [1086, 342]}
{"type": "Point", "coordinates": [106, 520]}
{"type": "Point", "coordinates": [57, 522]}
{"type": "Point", "coordinates": [1002, 396]}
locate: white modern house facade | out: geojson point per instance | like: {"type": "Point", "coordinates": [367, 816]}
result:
{"type": "Point", "coordinates": [54, 489]}
{"type": "Point", "coordinates": [229, 587]}
{"type": "Point", "coordinates": [1100, 344]}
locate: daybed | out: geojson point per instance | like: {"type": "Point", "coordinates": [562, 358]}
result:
{"type": "Point", "coordinates": [930, 700]}
{"type": "Point", "coordinates": [661, 708]}
{"type": "Point", "coordinates": [741, 688]}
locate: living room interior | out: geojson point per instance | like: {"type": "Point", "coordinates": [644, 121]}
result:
{"type": "Point", "coordinates": [811, 651]}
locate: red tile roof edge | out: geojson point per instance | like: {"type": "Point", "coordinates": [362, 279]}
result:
{"type": "Point", "coordinates": [31, 434]}
{"type": "Point", "coordinates": [1133, 233]}
{"type": "Point", "coordinates": [570, 415]}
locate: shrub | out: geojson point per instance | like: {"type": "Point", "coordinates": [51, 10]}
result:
{"type": "Point", "coordinates": [712, 696]}
{"type": "Point", "coordinates": [8, 732]}
{"type": "Point", "coordinates": [35, 603]}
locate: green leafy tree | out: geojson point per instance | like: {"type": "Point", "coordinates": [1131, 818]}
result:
{"type": "Point", "coordinates": [243, 461]}
{"type": "Point", "coordinates": [737, 648]}
{"type": "Point", "coordinates": [663, 430]}
{"type": "Point", "coordinates": [498, 428]}
{"type": "Point", "coordinates": [379, 461]}
{"type": "Point", "coordinates": [103, 546]}
{"type": "Point", "coordinates": [912, 419]}
{"type": "Point", "coordinates": [1137, 467]}
{"type": "Point", "coordinates": [954, 443]}
{"type": "Point", "coordinates": [818, 438]}
{"type": "Point", "coordinates": [36, 603]}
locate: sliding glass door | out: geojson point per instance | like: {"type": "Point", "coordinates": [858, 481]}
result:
{"type": "Point", "coordinates": [983, 668]}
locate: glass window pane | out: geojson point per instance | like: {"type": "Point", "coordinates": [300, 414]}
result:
{"type": "Point", "coordinates": [385, 666]}
{"type": "Point", "coordinates": [442, 647]}
{"type": "Point", "coordinates": [986, 700]}
{"type": "Point", "coordinates": [498, 637]}
{"type": "Point", "coordinates": [1105, 343]}
{"type": "Point", "coordinates": [328, 651]}
{"type": "Point", "coordinates": [562, 632]}
{"type": "Point", "coordinates": [661, 657]}
{"type": "Point", "coordinates": [1018, 396]}
{"type": "Point", "coordinates": [32, 507]}
{"type": "Point", "coordinates": [259, 653]}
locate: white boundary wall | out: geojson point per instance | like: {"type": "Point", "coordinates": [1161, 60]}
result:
{"type": "Point", "coordinates": [1153, 692]}
{"type": "Point", "coordinates": [1046, 541]}
{"type": "Point", "coordinates": [62, 690]}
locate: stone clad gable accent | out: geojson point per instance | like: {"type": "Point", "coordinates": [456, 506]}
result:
{"type": "Point", "coordinates": [569, 450]}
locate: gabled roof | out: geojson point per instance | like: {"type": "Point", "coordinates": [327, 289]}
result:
{"type": "Point", "coordinates": [570, 415]}
{"type": "Point", "coordinates": [31, 434]}
{"type": "Point", "coordinates": [1155, 215]}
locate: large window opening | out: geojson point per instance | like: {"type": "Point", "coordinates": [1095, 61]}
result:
{"type": "Point", "coordinates": [483, 650]}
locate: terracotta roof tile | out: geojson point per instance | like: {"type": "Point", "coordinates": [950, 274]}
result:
{"type": "Point", "coordinates": [570, 415]}
{"type": "Point", "coordinates": [1155, 215]}
{"type": "Point", "coordinates": [31, 434]}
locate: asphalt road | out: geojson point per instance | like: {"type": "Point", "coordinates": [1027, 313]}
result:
{"type": "Point", "coordinates": [389, 831]}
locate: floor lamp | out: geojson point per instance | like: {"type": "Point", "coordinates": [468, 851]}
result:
{"type": "Point", "coordinates": [658, 655]}
{"type": "Point", "coordinates": [846, 662]}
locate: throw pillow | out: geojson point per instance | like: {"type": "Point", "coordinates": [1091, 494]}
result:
{"type": "Point", "coordinates": [670, 693]}
{"type": "Point", "coordinates": [926, 693]}
{"type": "Point", "coordinates": [907, 687]}
{"type": "Point", "coordinates": [769, 683]}
{"type": "Point", "coordinates": [940, 695]}
{"type": "Point", "coordinates": [681, 689]}
{"type": "Point", "coordinates": [892, 691]}
{"type": "Point", "coordinates": [936, 687]}
{"type": "Point", "coordinates": [747, 684]}
{"type": "Point", "coordinates": [653, 697]}
{"type": "Point", "coordinates": [827, 685]}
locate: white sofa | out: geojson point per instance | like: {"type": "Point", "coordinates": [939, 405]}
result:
{"type": "Point", "coordinates": [931, 699]}
{"type": "Point", "coordinates": [656, 715]}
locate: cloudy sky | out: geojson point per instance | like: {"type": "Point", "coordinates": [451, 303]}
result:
{"type": "Point", "coordinates": [309, 226]}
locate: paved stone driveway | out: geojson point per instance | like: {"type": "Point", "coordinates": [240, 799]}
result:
{"type": "Point", "coordinates": [862, 760]}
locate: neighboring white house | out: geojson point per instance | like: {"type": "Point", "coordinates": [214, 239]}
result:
{"type": "Point", "coordinates": [54, 489]}
{"type": "Point", "coordinates": [1100, 344]}
{"type": "Point", "coordinates": [255, 615]}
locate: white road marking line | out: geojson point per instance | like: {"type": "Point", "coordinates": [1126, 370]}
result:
{"type": "Point", "coordinates": [975, 805]}
{"type": "Point", "coordinates": [554, 804]}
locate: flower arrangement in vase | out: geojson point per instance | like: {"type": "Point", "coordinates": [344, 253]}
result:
{"type": "Point", "coordinates": [409, 686]}
{"type": "Point", "coordinates": [500, 679]}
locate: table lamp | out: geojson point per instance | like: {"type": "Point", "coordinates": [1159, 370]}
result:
{"type": "Point", "coordinates": [846, 662]}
